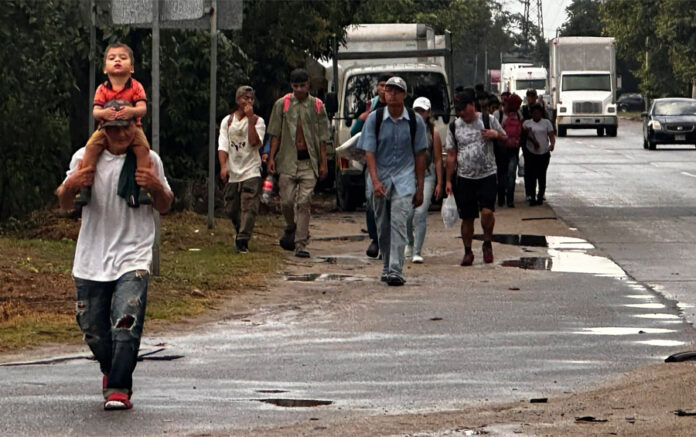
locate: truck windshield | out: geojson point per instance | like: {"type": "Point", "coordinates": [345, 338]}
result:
{"type": "Point", "coordinates": [525, 84]}
{"type": "Point", "coordinates": [360, 88]}
{"type": "Point", "coordinates": [586, 82]}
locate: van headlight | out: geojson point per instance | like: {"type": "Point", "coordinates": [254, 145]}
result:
{"type": "Point", "coordinates": [655, 125]}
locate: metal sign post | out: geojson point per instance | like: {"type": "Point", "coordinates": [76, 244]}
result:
{"type": "Point", "coordinates": [213, 105]}
{"type": "Point", "coordinates": [156, 120]}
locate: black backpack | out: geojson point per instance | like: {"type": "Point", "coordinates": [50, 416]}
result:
{"type": "Point", "coordinates": [486, 118]}
{"type": "Point", "coordinates": [412, 123]}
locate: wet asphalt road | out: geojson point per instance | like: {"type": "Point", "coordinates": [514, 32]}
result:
{"type": "Point", "coordinates": [438, 343]}
{"type": "Point", "coordinates": [638, 205]}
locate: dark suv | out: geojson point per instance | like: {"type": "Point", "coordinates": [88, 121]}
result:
{"type": "Point", "coordinates": [630, 103]}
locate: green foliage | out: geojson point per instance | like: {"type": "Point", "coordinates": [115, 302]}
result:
{"type": "Point", "coordinates": [583, 19]}
{"type": "Point", "coordinates": [278, 35]}
{"type": "Point", "coordinates": [659, 36]}
{"type": "Point", "coordinates": [36, 86]}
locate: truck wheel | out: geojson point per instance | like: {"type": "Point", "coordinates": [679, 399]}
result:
{"type": "Point", "coordinates": [611, 131]}
{"type": "Point", "coordinates": [561, 131]}
{"type": "Point", "coordinates": [651, 145]}
{"type": "Point", "coordinates": [600, 131]}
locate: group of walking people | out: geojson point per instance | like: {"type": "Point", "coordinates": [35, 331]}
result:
{"type": "Point", "coordinates": [120, 185]}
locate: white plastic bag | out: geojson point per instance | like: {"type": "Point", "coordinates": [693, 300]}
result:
{"type": "Point", "coordinates": [449, 211]}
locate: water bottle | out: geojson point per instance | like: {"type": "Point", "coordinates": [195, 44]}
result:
{"type": "Point", "coordinates": [267, 191]}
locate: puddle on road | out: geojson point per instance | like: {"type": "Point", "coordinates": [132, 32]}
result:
{"type": "Point", "coordinates": [565, 254]}
{"type": "Point", "coordinates": [666, 343]}
{"type": "Point", "coordinates": [658, 316]}
{"type": "Point", "coordinates": [529, 240]}
{"type": "Point", "coordinates": [619, 330]}
{"type": "Point", "coordinates": [321, 277]}
{"type": "Point", "coordinates": [296, 403]}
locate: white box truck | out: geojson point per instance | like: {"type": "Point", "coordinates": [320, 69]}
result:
{"type": "Point", "coordinates": [411, 51]}
{"type": "Point", "coordinates": [582, 82]}
{"type": "Point", "coordinates": [527, 77]}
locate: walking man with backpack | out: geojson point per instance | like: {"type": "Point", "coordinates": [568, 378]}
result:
{"type": "Point", "coordinates": [394, 141]}
{"type": "Point", "coordinates": [470, 150]}
{"type": "Point", "coordinates": [299, 130]}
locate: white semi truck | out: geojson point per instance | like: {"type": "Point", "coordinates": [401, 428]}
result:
{"type": "Point", "coordinates": [411, 51]}
{"type": "Point", "coordinates": [583, 83]}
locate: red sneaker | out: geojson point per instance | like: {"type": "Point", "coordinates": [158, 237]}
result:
{"type": "Point", "coordinates": [487, 252]}
{"type": "Point", "coordinates": [468, 259]}
{"type": "Point", "coordinates": [118, 401]}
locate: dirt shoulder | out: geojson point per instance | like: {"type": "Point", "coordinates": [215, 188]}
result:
{"type": "Point", "coordinates": [639, 403]}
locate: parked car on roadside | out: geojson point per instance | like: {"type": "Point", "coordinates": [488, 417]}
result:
{"type": "Point", "coordinates": [630, 103]}
{"type": "Point", "coordinates": [669, 121]}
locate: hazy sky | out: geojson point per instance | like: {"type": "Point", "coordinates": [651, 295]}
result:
{"type": "Point", "coordinates": [554, 13]}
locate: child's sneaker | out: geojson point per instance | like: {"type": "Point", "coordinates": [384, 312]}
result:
{"type": "Point", "coordinates": [145, 197]}
{"type": "Point", "coordinates": [83, 196]}
{"type": "Point", "coordinates": [118, 401]}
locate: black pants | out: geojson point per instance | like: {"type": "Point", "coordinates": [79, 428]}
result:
{"type": "Point", "coordinates": [535, 167]}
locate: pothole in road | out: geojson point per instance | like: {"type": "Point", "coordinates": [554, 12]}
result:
{"type": "Point", "coordinates": [271, 391]}
{"type": "Point", "coordinates": [296, 403]}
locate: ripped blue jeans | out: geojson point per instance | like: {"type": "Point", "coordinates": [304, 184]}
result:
{"type": "Point", "coordinates": [111, 317]}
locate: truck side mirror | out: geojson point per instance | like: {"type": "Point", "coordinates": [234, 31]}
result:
{"type": "Point", "coordinates": [331, 103]}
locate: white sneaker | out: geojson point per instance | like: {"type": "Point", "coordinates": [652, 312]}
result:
{"type": "Point", "coordinates": [408, 251]}
{"type": "Point", "coordinates": [417, 259]}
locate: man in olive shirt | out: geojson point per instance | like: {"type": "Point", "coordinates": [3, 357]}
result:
{"type": "Point", "coordinates": [299, 129]}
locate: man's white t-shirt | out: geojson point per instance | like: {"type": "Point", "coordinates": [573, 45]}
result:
{"type": "Point", "coordinates": [540, 129]}
{"type": "Point", "coordinates": [114, 238]}
{"type": "Point", "coordinates": [243, 161]}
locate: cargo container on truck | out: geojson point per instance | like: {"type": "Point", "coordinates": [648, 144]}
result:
{"type": "Point", "coordinates": [583, 84]}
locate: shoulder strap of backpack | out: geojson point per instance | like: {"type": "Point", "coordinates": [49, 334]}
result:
{"type": "Point", "coordinates": [413, 125]}
{"type": "Point", "coordinates": [486, 120]}
{"type": "Point", "coordinates": [317, 104]}
{"type": "Point", "coordinates": [500, 117]}
{"type": "Point", "coordinates": [286, 102]}
{"type": "Point", "coordinates": [379, 115]}
{"type": "Point", "coordinates": [453, 129]}
{"type": "Point", "coordinates": [230, 119]}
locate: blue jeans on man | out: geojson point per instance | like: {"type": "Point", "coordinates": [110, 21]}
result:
{"type": "Point", "coordinates": [392, 212]}
{"type": "Point", "coordinates": [111, 317]}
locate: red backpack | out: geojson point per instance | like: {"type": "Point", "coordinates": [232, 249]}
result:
{"type": "Point", "coordinates": [286, 103]}
{"type": "Point", "coordinates": [513, 129]}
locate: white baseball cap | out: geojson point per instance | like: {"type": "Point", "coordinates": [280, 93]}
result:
{"type": "Point", "coordinates": [423, 103]}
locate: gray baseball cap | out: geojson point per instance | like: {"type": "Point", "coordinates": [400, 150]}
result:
{"type": "Point", "coordinates": [397, 82]}
{"type": "Point", "coordinates": [119, 122]}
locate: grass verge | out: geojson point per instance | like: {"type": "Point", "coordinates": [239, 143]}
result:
{"type": "Point", "coordinates": [199, 268]}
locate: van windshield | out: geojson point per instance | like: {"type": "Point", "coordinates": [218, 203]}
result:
{"type": "Point", "coordinates": [525, 84]}
{"type": "Point", "coordinates": [360, 88]}
{"type": "Point", "coordinates": [586, 82]}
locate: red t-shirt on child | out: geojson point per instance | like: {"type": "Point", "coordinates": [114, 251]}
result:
{"type": "Point", "coordinates": [133, 92]}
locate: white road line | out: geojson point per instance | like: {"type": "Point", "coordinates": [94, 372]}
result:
{"type": "Point", "coordinates": [688, 174]}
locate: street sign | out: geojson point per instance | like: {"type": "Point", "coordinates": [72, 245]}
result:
{"type": "Point", "coordinates": [176, 14]}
